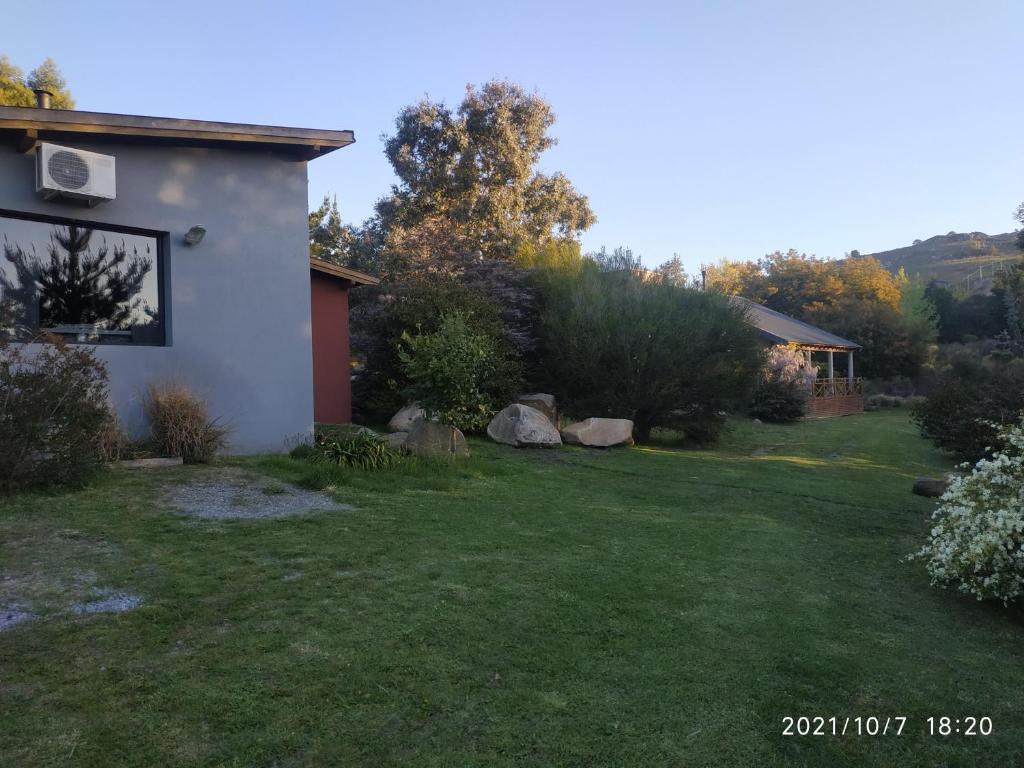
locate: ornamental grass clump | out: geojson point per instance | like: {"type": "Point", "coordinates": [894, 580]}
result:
{"type": "Point", "coordinates": [977, 544]}
{"type": "Point", "coordinates": [181, 427]}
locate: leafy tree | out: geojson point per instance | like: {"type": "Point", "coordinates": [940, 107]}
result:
{"type": "Point", "coordinates": [673, 272]}
{"type": "Point", "coordinates": [977, 315]}
{"type": "Point", "coordinates": [16, 90]}
{"type": "Point", "coordinates": [1019, 216]}
{"type": "Point", "coordinates": [1008, 290]}
{"type": "Point", "coordinates": [614, 344]}
{"type": "Point", "coordinates": [476, 167]}
{"type": "Point", "coordinates": [918, 312]}
{"type": "Point", "coordinates": [890, 348]}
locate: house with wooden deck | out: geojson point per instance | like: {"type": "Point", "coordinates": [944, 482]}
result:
{"type": "Point", "coordinates": [830, 395]}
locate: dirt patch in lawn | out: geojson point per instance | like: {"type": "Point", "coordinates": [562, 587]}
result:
{"type": "Point", "coordinates": [232, 494]}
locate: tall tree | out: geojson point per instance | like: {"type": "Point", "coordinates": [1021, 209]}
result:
{"type": "Point", "coordinates": [673, 272]}
{"type": "Point", "coordinates": [476, 167]}
{"type": "Point", "coordinates": [16, 89]}
{"type": "Point", "coordinates": [1019, 216]}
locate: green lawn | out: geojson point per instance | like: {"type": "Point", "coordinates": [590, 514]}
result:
{"type": "Point", "coordinates": [637, 607]}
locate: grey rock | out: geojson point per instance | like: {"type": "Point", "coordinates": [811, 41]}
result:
{"type": "Point", "coordinates": [11, 615]}
{"type": "Point", "coordinates": [404, 419]}
{"type": "Point", "coordinates": [543, 402]}
{"type": "Point", "coordinates": [396, 440]}
{"type": "Point", "coordinates": [523, 427]}
{"type": "Point", "coordinates": [150, 463]}
{"type": "Point", "coordinates": [930, 487]}
{"type": "Point", "coordinates": [431, 438]}
{"type": "Point", "coordinates": [108, 601]}
{"type": "Point", "coordinates": [600, 433]}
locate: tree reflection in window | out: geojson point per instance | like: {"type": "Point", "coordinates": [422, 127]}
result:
{"type": "Point", "coordinates": [84, 287]}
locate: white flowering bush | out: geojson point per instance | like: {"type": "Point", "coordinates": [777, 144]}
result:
{"type": "Point", "coordinates": [789, 365]}
{"type": "Point", "coordinates": [977, 544]}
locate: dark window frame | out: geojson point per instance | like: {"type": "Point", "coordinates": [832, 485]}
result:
{"type": "Point", "coordinates": [163, 246]}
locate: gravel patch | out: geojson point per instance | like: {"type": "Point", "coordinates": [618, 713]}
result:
{"type": "Point", "coordinates": [246, 496]}
{"type": "Point", "coordinates": [108, 601]}
{"type": "Point", "coordinates": [11, 615]}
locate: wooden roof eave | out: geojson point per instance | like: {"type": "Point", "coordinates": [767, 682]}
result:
{"type": "Point", "coordinates": [342, 273]}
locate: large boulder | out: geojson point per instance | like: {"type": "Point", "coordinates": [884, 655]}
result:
{"type": "Point", "coordinates": [403, 420]}
{"type": "Point", "coordinates": [542, 402]}
{"type": "Point", "coordinates": [599, 433]}
{"type": "Point", "coordinates": [523, 426]}
{"type": "Point", "coordinates": [396, 440]}
{"type": "Point", "coordinates": [432, 438]}
{"type": "Point", "coordinates": [930, 487]}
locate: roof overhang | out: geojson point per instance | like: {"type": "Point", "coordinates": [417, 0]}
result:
{"type": "Point", "coordinates": [28, 125]}
{"type": "Point", "coordinates": [341, 273]}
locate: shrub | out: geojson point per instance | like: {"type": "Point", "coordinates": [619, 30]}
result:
{"type": "Point", "coordinates": [875, 402]}
{"type": "Point", "coordinates": [615, 344]}
{"type": "Point", "coordinates": [977, 544]}
{"type": "Point", "coordinates": [54, 414]}
{"type": "Point", "coordinates": [778, 401]}
{"type": "Point", "coordinates": [415, 305]}
{"type": "Point", "coordinates": [180, 425]}
{"type": "Point", "coordinates": [361, 450]}
{"type": "Point", "coordinates": [967, 401]}
{"type": "Point", "coordinates": [785, 382]}
{"type": "Point", "coordinates": [454, 373]}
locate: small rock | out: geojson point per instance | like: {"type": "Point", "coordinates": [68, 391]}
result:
{"type": "Point", "coordinates": [367, 431]}
{"type": "Point", "coordinates": [757, 421]}
{"type": "Point", "coordinates": [600, 433]}
{"type": "Point", "coordinates": [523, 426]}
{"type": "Point", "coordinates": [396, 440]}
{"type": "Point", "coordinates": [542, 402]}
{"type": "Point", "coordinates": [150, 463]}
{"type": "Point", "coordinates": [10, 615]}
{"type": "Point", "coordinates": [404, 419]}
{"type": "Point", "coordinates": [108, 601]}
{"type": "Point", "coordinates": [431, 438]}
{"type": "Point", "coordinates": [930, 487]}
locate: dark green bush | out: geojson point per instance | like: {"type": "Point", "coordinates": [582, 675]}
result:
{"type": "Point", "coordinates": [55, 420]}
{"type": "Point", "coordinates": [778, 401]}
{"type": "Point", "coordinates": [615, 344]}
{"type": "Point", "coordinates": [360, 450]}
{"type": "Point", "coordinates": [971, 397]}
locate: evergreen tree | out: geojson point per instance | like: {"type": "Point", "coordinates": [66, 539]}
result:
{"type": "Point", "coordinates": [79, 286]}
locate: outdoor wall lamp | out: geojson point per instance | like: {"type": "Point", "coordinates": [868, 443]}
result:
{"type": "Point", "coordinates": [195, 235]}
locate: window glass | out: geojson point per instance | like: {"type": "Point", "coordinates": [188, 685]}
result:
{"type": "Point", "coordinates": [86, 284]}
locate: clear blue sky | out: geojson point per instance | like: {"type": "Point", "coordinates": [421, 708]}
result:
{"type": "Point", "coordinates": [712, 129]}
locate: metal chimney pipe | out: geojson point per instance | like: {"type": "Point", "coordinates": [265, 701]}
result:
{"type": "Point", "coordinates": [43, 97]}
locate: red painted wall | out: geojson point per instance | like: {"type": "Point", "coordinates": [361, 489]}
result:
{"type": "Point", "coordinates": [332, 382]}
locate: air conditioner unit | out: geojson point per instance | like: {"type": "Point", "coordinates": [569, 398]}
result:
{"type": "Point", "coordinates": [67, 172]}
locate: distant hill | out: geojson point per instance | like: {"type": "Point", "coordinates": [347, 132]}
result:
{"type": "Point", "coordinates": [966, 260]}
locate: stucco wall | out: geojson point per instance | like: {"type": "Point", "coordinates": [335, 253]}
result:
{"type": "Point", "coordinates": [332, 370]}
{"type": "Point", "coordinates": [239, 321]}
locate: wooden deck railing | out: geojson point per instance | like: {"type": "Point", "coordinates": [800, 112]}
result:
{"type": "Point", "coordinates": [837, 387]}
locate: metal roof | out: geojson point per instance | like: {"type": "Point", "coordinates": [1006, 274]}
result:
{"type": "Point", "coordinates": [783, 329]}
{"type": "Point", "coordinates": [30, 124]}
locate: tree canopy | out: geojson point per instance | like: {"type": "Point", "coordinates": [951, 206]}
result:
{"type": "Point", "coordinates": [475, 167]}
{"type": "Point", "coordinates": [16, 90]}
